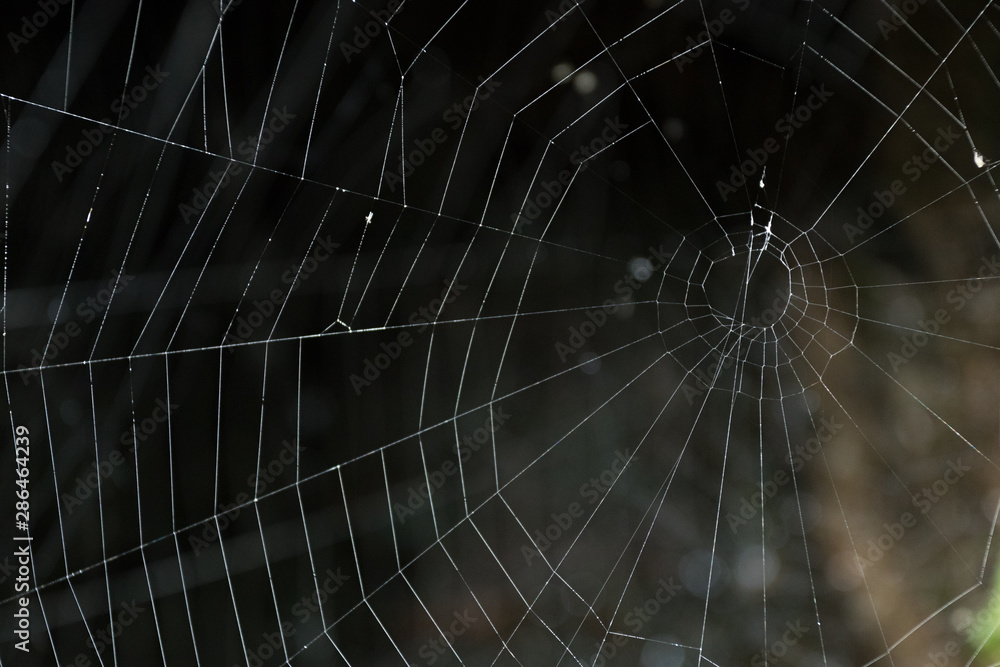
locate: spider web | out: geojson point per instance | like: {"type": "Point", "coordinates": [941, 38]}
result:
{"type": "Point", "coordinates": [472, 333]}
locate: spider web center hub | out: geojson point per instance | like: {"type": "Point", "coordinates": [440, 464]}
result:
{"type": "Point", "coordinates": [750, 289]}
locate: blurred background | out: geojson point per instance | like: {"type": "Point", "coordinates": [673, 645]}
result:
{"type": "Point", "coordinates": [648, 333]}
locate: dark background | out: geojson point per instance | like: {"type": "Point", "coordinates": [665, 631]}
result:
{"type": "Point", "coordinates": [642, 383]}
